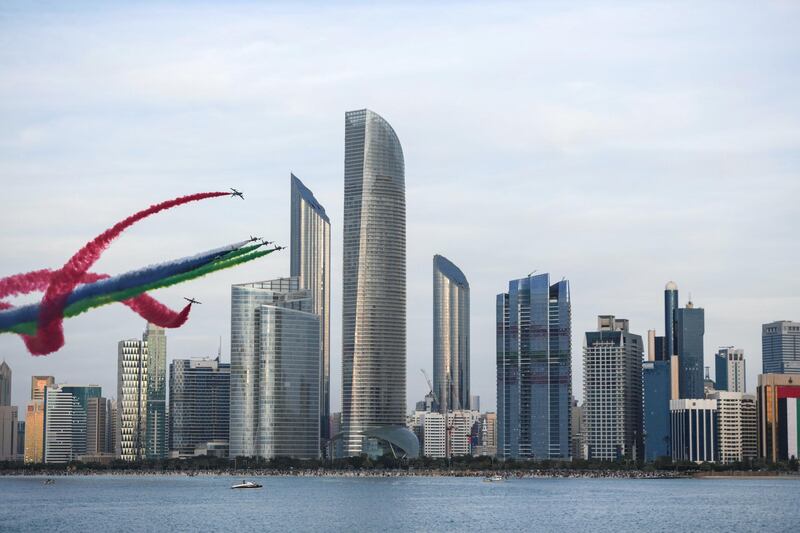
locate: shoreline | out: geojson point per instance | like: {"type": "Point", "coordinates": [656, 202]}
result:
{"type": "Point", "coordinates": [506, 475]}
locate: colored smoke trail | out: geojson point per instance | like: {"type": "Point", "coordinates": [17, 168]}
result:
{"type": "Point", "coordinates": [133, 297]}
{"type": "Point", "coordinates": [45, 334]}
{"type": "Point", "coordinates": [104, 284]}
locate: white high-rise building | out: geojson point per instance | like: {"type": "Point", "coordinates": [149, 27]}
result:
{"type": "Point", "coordinates": [132, 366]}
{"type": "Point", "coordinates": [64, 426]}
{"type": "Point", "coordinates": [311, 263]}
{"type": "Point", "coordinates": [374, 289]}
{"type": "Point", "coordinates": [612, 391]}
{"type": "Point", "coordinates": [447, 435]}
{"type": "Point", "coordinates": [737, 426]}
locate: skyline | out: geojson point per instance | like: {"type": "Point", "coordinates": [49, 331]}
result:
{"type": "Point", "coordinates": [569, 161]}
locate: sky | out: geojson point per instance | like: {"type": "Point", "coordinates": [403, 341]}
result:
{"type": "Point", "coordinates": [617, 144]}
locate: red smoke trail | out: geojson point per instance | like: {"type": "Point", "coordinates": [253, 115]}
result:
{"type": "Point", "coordinates": [60, 283]}
{"type": "Point", "coordinates": [144, 305]}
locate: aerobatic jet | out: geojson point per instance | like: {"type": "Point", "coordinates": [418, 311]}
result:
{"type": "Point", "coordinates": [192, 300]}
{"type": "Point", "coordinates": [234, 192]}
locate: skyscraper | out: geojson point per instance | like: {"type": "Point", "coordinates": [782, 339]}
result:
{"type": "Point", "coordinates": [690, 324]}
{"type": "Point", "coordinates": [311, 264]}
{"type": "Point", "coordinates": [132, 399]}
{"type": "Point", "coordinates": [737, 427]}
{"type": "Point", "coordinates": [156, 418]}
{"type": "Point", "coordinates": [65, 425]}
{"type": "Point", "coordinates": [98, 427]}
{"type": "Point", "coordinates": [656, 417]}
{"type": "Point", "coordinates": [534, 372]}
{"type": "Point", "coordinates": [612, 390]}
{"type": "Point", "coordinates": [374, 281]}
{"type": "Point", "coordinates": [780, 347]}
{"type": "Point", "coordinates": [34, 419]}
{"type": "Point", "coordinates": [275, 371]}
{"type": "Point", "coordinates": [199, 404]}
{"type": "Point", "coordinates": [450, 335]}
{"type": "Point", "coordinates": [9, 417]}
{"type": "Point", "coordinates": [5, 384]}
{"type": "Point", "coordinates": [729, 369]}
{"type": "Point", "coordinates": [670, 329]}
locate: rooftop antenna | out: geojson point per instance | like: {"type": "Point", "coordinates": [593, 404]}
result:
{"type": "Point", "coordinates": [219, 350]}
{"type": "Point", "coordinates": [532, 273]}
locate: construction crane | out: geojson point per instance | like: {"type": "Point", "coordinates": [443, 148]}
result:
{"type": "Point", "coordinates": [430, 385]}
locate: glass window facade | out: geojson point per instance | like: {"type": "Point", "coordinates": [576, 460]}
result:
{"type": "Point", "coordinates": [311, 262]}
{"type": "Point", "coordinates": [534, 370]}
{"type": "Point", "coordinates": [374, 279]}
{"type": "Point", "coordinates": [275, 371]}
{"type": "Point", "coordinates": [199, 404]}
{"type": "Point", "coordinates": [450, 336]}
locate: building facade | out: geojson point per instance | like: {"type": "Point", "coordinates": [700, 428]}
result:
{"type": "Point", "coordinates": [778, 417]}
{"type": "Point", "coordinates": [275, 371]}
{"type": "Point", "coordinates": [374, 280]}
{"type": "Point", "coordinates": [690, 324]}
{"type": "Point", "coordinates": [450, 336]}
{"type": "Point", "coordinates": [5, 384]}
{"type": "Point", "coordinates": [737, 426]}
{"type": "Point", "coordinates": [34, 419]}
{"type": "Point", "coordinates": [656, 386]}
{"type": "Point", "coordinates": [612, 391]}
{"type": "Point", "coordinates": [98, 427]}
{"type": "Point", "coordinates": [9, 418]}
{"type": "Point", "coordinates": [156, 445]}
{"type": "Point", "coordinates": [729, 369]}
{"type": "Point", "coordinates": [199, 404]}
{"type": "Point", "coordinates": [310, 262]}
{"type": "Point", "coordinates": [64, 426]}
{"type": "Point", "coordinates": [694, 430]}
{"type": "Point", "coordinates": [670, 339]}
{"type": "Point", "coordinates": [534, 372]}
{"type": "Point", "coordinates": [132, 367]}
{"type": "Point", "coordinates": [780, 347]}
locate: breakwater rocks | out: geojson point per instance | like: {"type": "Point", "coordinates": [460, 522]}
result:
{"type": "Point", "coordinates": [417, 472]}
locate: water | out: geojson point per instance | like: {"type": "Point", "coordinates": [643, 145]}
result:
{"type": "Point", "coordinates": [180, 503]}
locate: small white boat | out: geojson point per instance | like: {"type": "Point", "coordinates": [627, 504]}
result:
{"type": "Point", "coordinates": [247, 485]}
{"type": "Point", "coordinates": [493, 479]}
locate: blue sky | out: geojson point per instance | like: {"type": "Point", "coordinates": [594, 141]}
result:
{"type": "Point", "coordinates": [617, 144]}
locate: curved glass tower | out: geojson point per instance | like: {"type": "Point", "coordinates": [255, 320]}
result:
{"type": "Point", "coordinates": [450, 335]}
{"type": "Point", "coordinates": [311, 263]}
{"type": "Point", "coordinates": [374, 279]}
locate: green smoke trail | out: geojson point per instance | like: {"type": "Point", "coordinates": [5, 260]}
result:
{"type": "Point", "coordinates": [231, 259]}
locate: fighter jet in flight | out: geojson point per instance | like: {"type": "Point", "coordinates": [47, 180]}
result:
{"type": "Point", "coordinates": [234, 192]}
{"type": "Point", "coordinates": [192, 300]}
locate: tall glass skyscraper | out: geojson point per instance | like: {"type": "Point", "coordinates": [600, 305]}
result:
{"type": "Point", "coordinates": [656, 417]}
{"type": "Point", "coordinates": [199, 404]}
{"type": "Point", "coordinates": [374, 280]}
{"type": "Point", "coordinates": [311, 263]}
{"type": "Point", "coordinates": [670, 331]}
{"type": "Point", "coordinates": [450, 335]}
{"type": "Point", "coordinates": [275, 371]}
{"type": "Point", "coordinates": [156, 432]}
{"type": "Point", "coordinates": [780, 347]}
{"type": "Point", "coordinates": [690, 323]}
{"type": "Point", "coordinates": [534, 369]}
